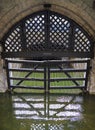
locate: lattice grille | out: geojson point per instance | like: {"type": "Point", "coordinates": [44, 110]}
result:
{"type": "Point", "coordinates": [81, 42]}
{"type": "Point", "coordinates": [56, 126]}
{"type": "Point", "coordinates": [59, 33]}
{"type": "Point", "coordinates": [35, 33]}
{"type": "Point", "coordinates": [47, 127]}
{"type": "Point", "coordinates": [38, 126]}
{"type": "Point", "coordinates": [47, 31]}
{"type": "Point", "coordinates": [13, 42]}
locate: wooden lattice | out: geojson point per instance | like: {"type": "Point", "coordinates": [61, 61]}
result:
{"type": "Point", "coordinates": [56, 126]}
{"type": "Point", "coordinates": [47, 31]}
{"type": "Point", "coordinates": [59, 33]}
{"type": "Point", "coordinates": [13, 41]}
{"type": "Point", "coordinates": [81, 42]}
{"type": "Point", "coordinates": [38, 126]}
{"type": "Point", "coordinates": [35, 33]}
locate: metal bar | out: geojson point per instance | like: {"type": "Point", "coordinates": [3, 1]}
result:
{"type": "Point", "coordinates": [45, 105]}
{"type": "Point", "coordinates": [27, 70]}
{"type": "Point", "coordinates": [48, 78]}
{"type": "Point", "coordinates": [23, 36]}
{"type": "Point", "coordinates": [73, 79]}
{"type": "Point", "coordinates": [66, 79]}
{"type": "Point", "coordinates": [71, 39]}
{"type": "Point", "coordinates": [45, 85]}
{"type": "Point", "coordinates": [67, 70]}
{"type": "Point", "coordinates": [50, 62]}
{"type": "Point", "coordinates": [67, 87]}
{"type": "Point", "coordinates": [31, 54]}
{"type": "Point", "coordinates": [66, 61]}
{"type": "Point", "coordinates": [24, 79]}
{"type": "Point", "coordinates": [7, 72]}
{"type": "Point", "coordinates": [47, 30]}
{"type": "Point", "coordinates": [26, 61]}
{"type": "Point", "coordinates": [27, 87]}
{"type": "Point", "coordinates": [87, 74]}
{"type": "Point", "coordinates": [27, 75]}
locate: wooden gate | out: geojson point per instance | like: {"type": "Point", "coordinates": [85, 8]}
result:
{"type": "Point", "coordinates": [47, 75]}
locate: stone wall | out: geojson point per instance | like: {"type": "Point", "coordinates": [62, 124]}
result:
{"type": "Point", "coordinates": [81, 11]}
{"type": "Point", "coordinates": [92, 78]}
{"type": "Point", "coordinates": [3, 79]}
{"type": "Point", "coordinates": [11, 11]}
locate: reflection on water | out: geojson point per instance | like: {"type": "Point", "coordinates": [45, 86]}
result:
{"type": "Point", "coordinates": [47, 112]}
{"type": "Point", "coordinates": [47, 107]}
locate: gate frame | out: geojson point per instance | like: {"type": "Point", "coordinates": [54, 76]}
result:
{"type": "Point", "coordinates": [47, 71]}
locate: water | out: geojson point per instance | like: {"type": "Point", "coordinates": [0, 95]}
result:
{"type": "Point", "coordinates": [51, 112]}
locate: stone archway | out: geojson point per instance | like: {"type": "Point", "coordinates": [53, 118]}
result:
{"type": "Point", "coordinates": [17, 11]}
{"type": "Point", "coordinates": [49, 35]}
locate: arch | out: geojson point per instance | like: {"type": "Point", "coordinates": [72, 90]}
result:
{"type": "Point", "coordinates": [47, 33]}
{"type": "Point", "coordinates": [19, 10]}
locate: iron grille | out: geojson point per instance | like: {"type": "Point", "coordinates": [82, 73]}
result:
{"type": "Point", "coordinates": [47, 33]}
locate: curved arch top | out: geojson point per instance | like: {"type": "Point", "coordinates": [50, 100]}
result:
{"type": "Point", "coordinates": [46, 34]}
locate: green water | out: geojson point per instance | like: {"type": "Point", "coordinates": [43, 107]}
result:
{"type": "Point", "coordinates": [51, 112]}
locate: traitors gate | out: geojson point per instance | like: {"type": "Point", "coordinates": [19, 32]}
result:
{"type": "Point", "coordinates": [47, 74]}
{"type": "Point", "coordinates": [47, 50]}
